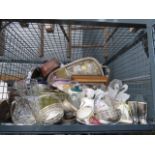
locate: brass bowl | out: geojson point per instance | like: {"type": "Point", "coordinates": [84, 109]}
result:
{"type": "Point", "coordinates": [51, 114]}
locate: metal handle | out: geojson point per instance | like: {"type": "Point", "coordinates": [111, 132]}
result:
{"type": "Point", "coordinates": [107, 70]}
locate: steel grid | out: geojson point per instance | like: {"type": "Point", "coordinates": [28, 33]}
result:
{"type": "Point", "coordinates": [133, 66]}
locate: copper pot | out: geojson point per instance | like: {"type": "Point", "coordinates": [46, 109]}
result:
{"type": "Point", "coordinates": [49, 67]}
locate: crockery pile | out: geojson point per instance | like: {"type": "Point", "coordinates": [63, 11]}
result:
{"type": "Point", "coordinates": [66, 96]}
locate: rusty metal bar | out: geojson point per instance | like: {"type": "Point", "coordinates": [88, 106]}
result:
{"type": "Point", "coordinates": [2, 43]}
{"type": "Point", "coordinates": [41, 49]}
{"type": "Point", "coordinates": [69, 47]}
{"type": "Point", "coordinates": [111, 35]}
{"type": "Point", "coordinates": [64, 32]}
{"type": "Point", "coordinates": [87, 46]}
{"type": "Point", "coordinates": [105, 44]}
{"type": "Point", "coordinates": [87, 28]}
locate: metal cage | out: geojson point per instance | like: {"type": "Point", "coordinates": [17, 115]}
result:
{"type": "Point", "coordinates": [126, 46]}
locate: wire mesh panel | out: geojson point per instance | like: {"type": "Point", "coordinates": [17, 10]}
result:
{"type": "Point", "coordinates": [133, 68]}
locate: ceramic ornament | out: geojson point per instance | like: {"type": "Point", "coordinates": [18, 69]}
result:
{"type": "Point", "coordinates": [87, 102]}
{"type": "Point", "coordinates": [99, 94]}
{"type": "Point", "coordinates": [100, 105]}
{"type": "Point", "coordinates": [112, 92]}
{"type": "Point", "coordinates": [125, 116]}
{"type": "Point", "coordinates": [89, 93]}
{"type": "Point", "coordinates": [122, 96]}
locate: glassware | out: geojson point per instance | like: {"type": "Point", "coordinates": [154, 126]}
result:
{"type": "Point", "coordinates": [75, 100]}
{"type": "Point", "coordinates": [142, 112]}
{"type": "Point", "coordinates": [133, 111]}
{"type": "Point", "coordinates": [24, 89]}
{"type": "Point", "coordinates": [108, 115]}
{"type": "Point", "coordinates": [125, 114]}
{"type": "Point", "coordinates": [106, 112]}
{"type": "Point", "coordinates": [27, 100]}
{"type": "Point", "coordinates": [21, 112]}
{"type": "Point", "coordinates": [20, 87]}
{"type": "Point", "coordinates": [141, 109]}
